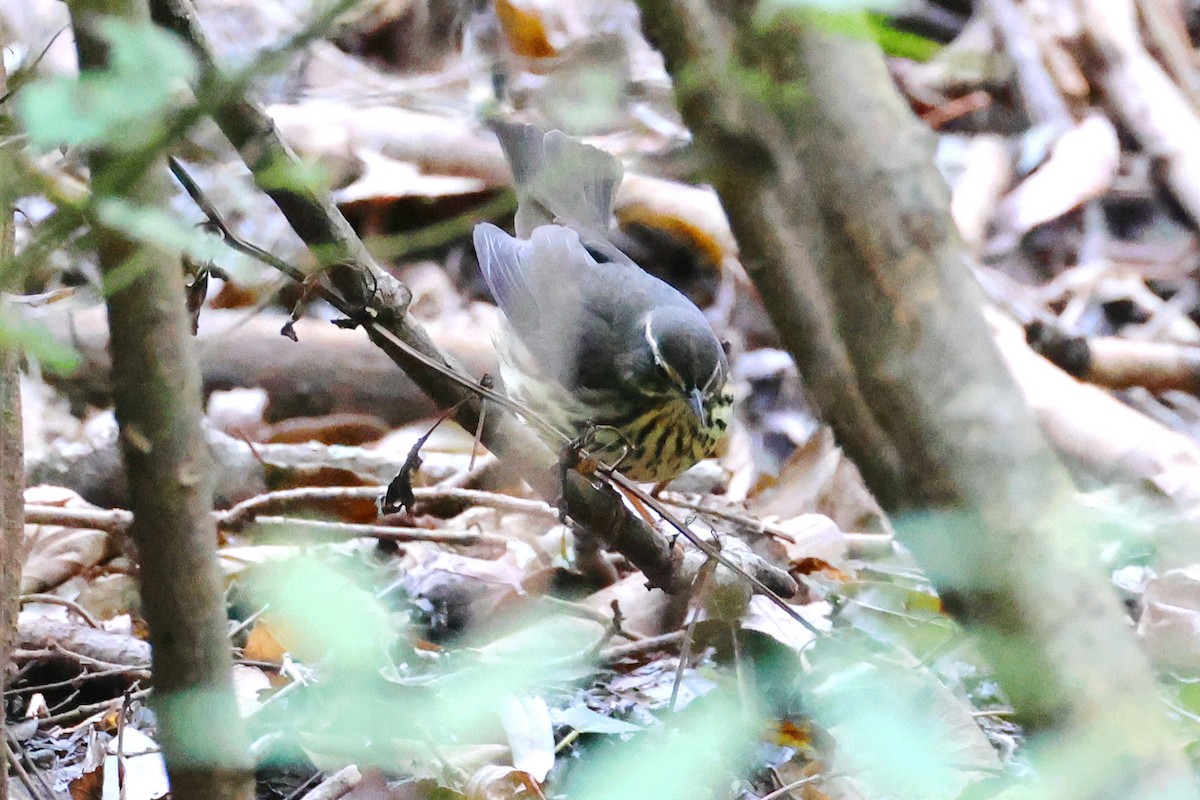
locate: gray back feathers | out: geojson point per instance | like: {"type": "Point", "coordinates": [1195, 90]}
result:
{"type": "Point", "coordinates": [578, 304]}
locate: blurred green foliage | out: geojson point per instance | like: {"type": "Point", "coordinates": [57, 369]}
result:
{"type": "Point", "coordinates": [115, 107]}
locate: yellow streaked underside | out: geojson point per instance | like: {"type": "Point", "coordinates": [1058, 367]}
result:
{"type": "Point", "coordinates": [659, 444]}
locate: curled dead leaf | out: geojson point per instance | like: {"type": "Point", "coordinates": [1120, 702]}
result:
{"type": "Point", "coordinates": [524, 29]}
{"type": "Point", "coordinates": [54, 553]}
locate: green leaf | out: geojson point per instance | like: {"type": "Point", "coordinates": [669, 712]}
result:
{"type": "Point", "coordinates": [584, 720]}
{"type": "Point", "coordinates": [899, 730]}
{"type": "Point", "coordinates": [901, 43]}
{"type": "Point", "coordinates": [834, 6]}
{"type": "Point", "coordinates": [325, 614]}
{"type": "Point", "coordinates": [35, 339]}
{"type": "Point", "coordinates": [156, 226]}
{"type": "Point", "coordinates": [115, 107]}
{"type": "Point", "coordinates": [858, 19]}
{"type": "Point", "coordinates": [701, 752]}
{"type": "Point", "coordinates": [295, 176]}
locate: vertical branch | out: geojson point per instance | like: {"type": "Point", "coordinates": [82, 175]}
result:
{"type": "Point", "coordinates": [157, 397]}
{"type": "Point", "coordinates": [844, 224]}
{"type": "Point", "coordinates": [12, 504]}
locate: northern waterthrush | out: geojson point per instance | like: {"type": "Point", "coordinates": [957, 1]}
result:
{"type": "Point", "coordinates": [597, 347]}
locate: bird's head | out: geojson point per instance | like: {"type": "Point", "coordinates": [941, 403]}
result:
{"type": "Point", "coordinates": [683, 359]}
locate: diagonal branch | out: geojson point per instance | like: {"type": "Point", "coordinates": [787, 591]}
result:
{"type": "Point", "coordinates": [381, 300]}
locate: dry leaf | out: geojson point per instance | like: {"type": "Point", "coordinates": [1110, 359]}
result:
{"type": "Point", "coordinates": [765, 617]}
{"type": "Point", "coordinates": [524, 29]}
{"type": "Point", "coordinates": [1170, 622]}
{"type": "Point", "coordinates": [819, 478]}
{"type": "Point", "coordinates": [261, 645]}
{"type": "Point", "coordinates": [530, 735]}
{"type": "Point", "coordinates": [248, 684]}
{"type": "Point", "coordinates": [145, 772]}
{"type": "Point", "coordinates": [692, 214]}
{"type": "Point", "coordinates": [495, 782]}
{"type": "Point", "coordinates": [55, 553]}
{"type": "Point", "coordinates": [1081, 166]}
{"type": "Point", "coordinates": [643, 610]}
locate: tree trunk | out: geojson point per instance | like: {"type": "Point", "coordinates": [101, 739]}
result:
{"type": "Point", "coordinates": [844, 225]}
{"type": "Point", "coordinates": [156, 391]}
{"type": "Point", "coordinates": [12, 482]}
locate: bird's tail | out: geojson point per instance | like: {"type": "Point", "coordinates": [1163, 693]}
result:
{"type": "Point", "coordinates": [558, 179]}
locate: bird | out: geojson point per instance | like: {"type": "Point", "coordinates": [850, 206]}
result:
{"type": "Point", "coordinates": [599, 351]}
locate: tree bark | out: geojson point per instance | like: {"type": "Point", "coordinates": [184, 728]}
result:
{"type": "Point", "coordinates": [12, 483]}
{"type": "Point", "coordinates": [157, 398]}
{"type": "Point", "coordinates": [844, 225]}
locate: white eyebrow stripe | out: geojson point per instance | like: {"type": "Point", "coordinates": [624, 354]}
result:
{"type": "Point", "coordinates": [709, 383]}
{"type": "Point", "coordinates": [648, 333]}
{"type": "Point", "coordinates": [649, 337]}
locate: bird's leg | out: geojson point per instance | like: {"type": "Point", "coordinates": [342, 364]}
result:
{"type": "Point", "coordinates": [574, 455]}
{"type": "Point", "coordinates": [571, 456]}
{"type": "Point", "coordinates": [487, 383]}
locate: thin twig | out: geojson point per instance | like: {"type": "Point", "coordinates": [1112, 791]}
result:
{"type": "Point", "coordinates": [334, 299]}
{"type": "Point", "coordinates": [336, 785]}
{"type": "Point", "coordinates": [387, 533]}
{"type": "Point", "coordinates": [782, 790]}
{"type": "Point", "coordinates": [702, 587]}
{"type": "Point", "coordinates": [248, 621]}
{"type": "Point", "coordinates": [14, 761]}
{"type": "Point", "coordinates": [338, 249]}
{"type": "Point", "coordinates": [78, 679]}
{"type": "Point", "coordinates": [84, 614]}
{"type": "Point", "coordinates": [56, 650]}
{"type": "Point", "coordinates": [115, 520]}
{"type": "Point", "coordinates": [651, 644]}
{"type": "Point", "coordinates": [587, 612]}
{"type": "Point", "coordinates": [80, 713]}
{"type": "Point", "coordinates": [712, 552]}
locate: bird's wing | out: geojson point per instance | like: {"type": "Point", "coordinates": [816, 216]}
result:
{"type": "Point", "coordinates": [558, 300]}
{"type": "Point", "coordinates": [501, 261]}
{"type": "Point", "coordinates": [559, 180]}
{"type": "Point", "coordinates": [579, 182]}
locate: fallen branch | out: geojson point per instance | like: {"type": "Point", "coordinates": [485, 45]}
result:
{"type": "Point", "coordinates": [1142, 95]}
{"type": "Point", "coordinates": [1116, 363]}
{"type": "Point", "coordinates": [99, 647]}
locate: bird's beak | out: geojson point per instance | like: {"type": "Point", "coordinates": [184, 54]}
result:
{"type": "Point", "coordinates": [696, 402]}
